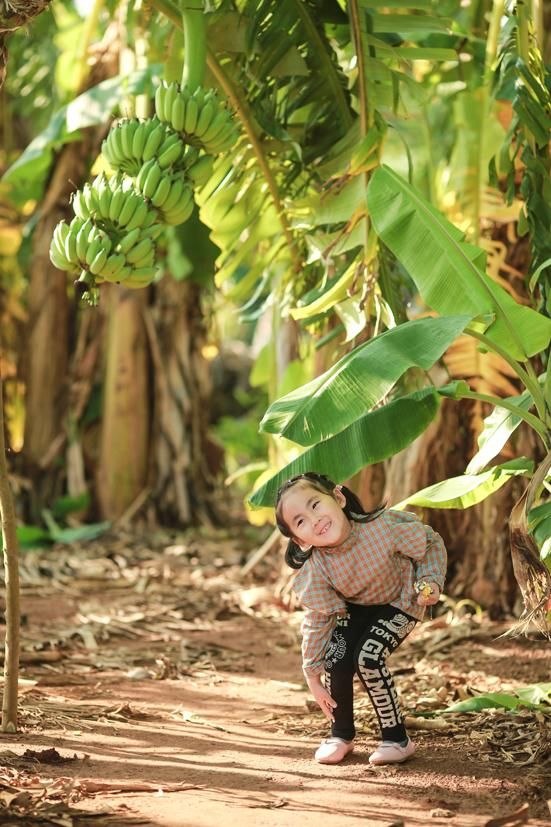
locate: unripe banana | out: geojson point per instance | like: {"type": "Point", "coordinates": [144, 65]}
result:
{"type": "Point", "coordinates": [152, 232]}
{"type": "Point", "coordinates": [192, 114]}
{"type": "Point", "coordinates": [172, 91]}
{"type": "Point", "coordinates": [127, 131]}
{"type": "Point", "coordinates": [113, 266]}
{"type": "Point", "coordinates": [219, 120]}
{"type": "Point", "coordinates": [161, 193]}
{"type": "Point", "coordinates": [140, 250]}
{"type": "Point", "coordinates": [117, 201]}
{"type": "Point", "coordinates": [176, 190]}
{"type": "Point", "coordinates": [142, 175]}
{"type": "Point", "coordinates": [79, 206]}
{"type": "Point", "coordinates": [206, 115]}
{"type": "Point", "coordinates": [128, 209]}
{"type": "Point", "coordinates": [201, 170]}
{"type": "Point", "coordinates": [170, 155]}
{"type": "Point", "coordinates": [180, 213]}
{"type": "Point", "coordinates": [82, 240]}
{"type": "Point", "coordinates": [153, 177]}
{"type": "Point", "coordinates": [159, 101]}
{"type": "Point", "coordinates": [177, 113]}
{"type": "Point", "coordinates": [98, 263]}
{"type": "Point", "coordinates": [94, 247]}
{"type": "Point", "coordinates": [71, 246]}
{"type": "Point", "coordinates": [127, 241]}
{"type": "Point", "coordinates": [154, 140]}
{"type": "Point", "coordinates": [139, 216]}
{"type": "Point", "coordinates": [138, 141]}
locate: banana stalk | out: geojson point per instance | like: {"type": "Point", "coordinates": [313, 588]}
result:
{"type": "Point", "coordinates": [195, 44]}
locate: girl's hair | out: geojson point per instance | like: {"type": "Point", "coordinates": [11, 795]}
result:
{"type": "Point", "coordinates": [354, 510]}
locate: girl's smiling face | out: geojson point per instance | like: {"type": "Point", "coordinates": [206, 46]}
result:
{"type": "Point", "coordinates": [315, 518]}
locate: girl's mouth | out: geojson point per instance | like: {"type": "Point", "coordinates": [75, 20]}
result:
{"type": "Point", "coordinates": [324, 529]}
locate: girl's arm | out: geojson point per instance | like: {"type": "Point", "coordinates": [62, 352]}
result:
{"type": "Point", "coordinates": [321, 696]}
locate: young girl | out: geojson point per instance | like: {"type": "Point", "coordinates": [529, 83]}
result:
{"type": "Point", "coordinates": [364, 580]}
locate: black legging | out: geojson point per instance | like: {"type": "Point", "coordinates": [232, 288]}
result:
{"type": "Point", "coordinates": [361, 643]}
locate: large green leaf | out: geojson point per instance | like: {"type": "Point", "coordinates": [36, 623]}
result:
{"type": "Point", "coordinates": [373, 438]}
{"type": "Point", "coordinates": [498, 427]}
{"type": "Point", "coordinates": [468, 489]}
{"type": "Point", "coordinates": [446, 269]}
{"type": "Point", "coordinates": [535, 696]}
{"type": "Point", "coordinates": [360, 380]}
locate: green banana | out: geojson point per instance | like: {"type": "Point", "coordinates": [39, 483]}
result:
{"type": "Point", "coordinates": [116, 204]}
{"type": "Point", "coordinates": [154, 140]}
{"type": "Point", "coordinates": [206, 115]}
{"type": "Point", "coordinates": [127, 130]}
{"type": "Point", "coordinates": [70, 246]}
{"type": "Point", "coordinates": [138, 141]}
{"type": "Point", "coordinates": [139, 216]}
{"type": "Point", "coordinates": [170, 155]}
{"type": "Point", "coordinates": [159, 101]}
{"type": "Point", "coordinates": [140, 250]}
{"type": "Point", "coordinates": [79, 205]}
{"type": "Point", "coordinates": [82, 240]}
{"type": "Point", "coordinates": [92, 250]}
{"type": "Point", "coordinates": [152, 180]}
{"type": "Point", "coordinates": [192, 114]}
{"type": "Point", "coordinates": [142, 175]}
{"type": "Point", "coordinates": [152, 232]}
{"type": "Point", "coordinates": [98, 263]}
{"type": "Point", "coordinates": [180, 213]}
{"type": "Point", "coordinates": [201, 170]}
{"type": "Point", "coordinates": [172, 91]}
{"type": "Point", "coordinates": [177, 113]}
{"type": "Point", "coordinates": [113, 266]}
{"type": "Point", "coordinates": [128, 209]}
{"type": "Point", "coordinates": [161, 193]}
{"type": "Point", "coordinates": [219, 120]}
{"type": "Point", "coordinates": [177, 188]}
{"type": "Point", "coordinates": [129, 240]}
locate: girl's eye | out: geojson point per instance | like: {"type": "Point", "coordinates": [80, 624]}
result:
{"type": "Point", "coordinates": [315, 504]}
{"type": "Point", "coordinates": [299, 523]}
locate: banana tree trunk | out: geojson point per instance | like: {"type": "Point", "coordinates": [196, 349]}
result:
{"type": "Point", "coordinates": [182, 454]}
{"type": "Point", "coordinates": [51, 319]}
{"type": "Point", "coordinates": [124, 442]}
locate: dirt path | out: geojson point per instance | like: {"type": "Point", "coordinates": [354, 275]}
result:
{"type": "Point", "coordinates": [234, 724]}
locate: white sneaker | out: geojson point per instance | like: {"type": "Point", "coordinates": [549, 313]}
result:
{"type": "Point", "coordinates": [333, 750]}
{"type": "Point", "coordinates": [390, 752]}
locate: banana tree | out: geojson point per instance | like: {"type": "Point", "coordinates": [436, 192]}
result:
{"type": "Point", "coordinates": [344, 419]}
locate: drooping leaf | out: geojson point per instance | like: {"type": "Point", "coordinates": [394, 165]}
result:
{"type": "Point", "coordinates": [535, 696]}
{"type": "Point", "coordinates": [468, 489]}
{"type": "Point", "coordinates": [447, 270]}
{"type": "Point", "coordinates": [498, 427]}
{"type": "Point", "coordinates": [359, 380]}
{"type": "Point", "coordinates": [372, 438]}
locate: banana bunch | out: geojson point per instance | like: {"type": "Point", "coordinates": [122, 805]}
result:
{"type": "Point", "coordinates": [157, 163]}
{"type": "Point", "coordinates": [131, 143]}
{"type": "Point", "coordinates": [198, 116]}
{"type": "Point", "coordinates": [113, 200]}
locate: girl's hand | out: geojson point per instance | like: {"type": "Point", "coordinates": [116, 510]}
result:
{"type": "Point", "coordinates": [428, 593]}
{"type": "Point", "coordinates": [322, 697]}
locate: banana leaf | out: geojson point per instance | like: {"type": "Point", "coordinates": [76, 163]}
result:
{"type": "Point", "coordinates": [498, 427]}
{"type": "Point", "coordinates": [373, 438]}
{"type": "Point", "coordinates": [360, 380]}
{"type": "Point", "coordinates": [468, 489]}
{"type": "Point", "coordinates": [535, 696]}
{"type": "Point", "coordinates": [447, 270]}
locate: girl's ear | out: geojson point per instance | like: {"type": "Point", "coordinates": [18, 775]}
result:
{"type": "Point", "coordinates": [339, 496]}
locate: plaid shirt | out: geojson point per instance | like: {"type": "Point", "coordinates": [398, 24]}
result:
{"type": "Point", "coordinates": [378, 563]}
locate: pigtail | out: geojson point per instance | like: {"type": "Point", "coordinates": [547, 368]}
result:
{"type": "Point", "coordinates": [295, 557]}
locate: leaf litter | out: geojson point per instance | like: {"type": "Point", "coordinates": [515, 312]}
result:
{"type": "Point", "coordinates": [135, 595]}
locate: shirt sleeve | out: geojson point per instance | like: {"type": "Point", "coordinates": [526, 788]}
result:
{"type": "Point", "coordinates": [422, 545]}
{"type": "Point", "coordinates": [322, 604]}
{"type": "Point", "coordinates": [316, 631]}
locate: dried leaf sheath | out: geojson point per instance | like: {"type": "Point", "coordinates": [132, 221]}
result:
{"type": "Point", "coordinates": [531, 573]}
